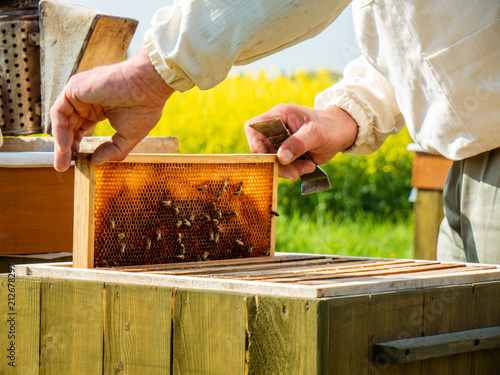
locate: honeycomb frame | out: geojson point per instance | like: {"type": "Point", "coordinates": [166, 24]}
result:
{"type": "Point", "coordinates": [164, 208]}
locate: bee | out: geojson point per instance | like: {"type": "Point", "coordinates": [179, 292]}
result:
{"type": "Point", "coordinates": [235, 214]}
{"type": "Point", "coordinates": [113, 263]}
{"type": "Point", "coordinates": [158, 235]}
{"type": "Point", "coordinates": [192, 217]}
{"type": "Point", "coordinates": [216, 237]}
{"type": "Point", "coordinates": [211, 235]}
{"type": "Point", "coordinates": [123, 246]}
{"type": "Point", "coordinates": [148, 244]}
{"type": "Point", "coordinates": [250, 249]}
{"type": "Point", "coordinates": [104, 263]}
{"type": "Point", "coordinates": [186, 222]}
{"type": "Point", "coordinates": [238, 242]}
{"type": "Point", "coordinates": [179, 223]}
{"type": "Point", "coordinates": [202, 188]}
{"type": "Point", "coordinates": [275, 213]}
{"type": "Point", "coordinates": [238, 190]}
{"type": "Point", "coordinates": [121, 236]}
{"type": "Point", "coordinates": [112, 223]}
{"type": "Point", "coordinates": [218, 229]}
{"type": "Point", "coordinates": [179, 238]}
{"type": "Point", "coordinates": [205, 255]}
{"type": "Point", "coordinates": [166, 203]}
{"type": "Point", "coordinates": [218, 214]}
{"type": "Point", "coordinates": [266, 252]}
{"type": "Point", "coordinates": [183, 248]}
{"type": "Point", "coordinates": [176, 209]}
{"type": "Point", "coordinates": [220, 192]}
{"type": "Point", "coordinates": [213, 205]}
{"type": "Point", "coordinates": [206, 217]}
{"type": "Point", "coordinates": [180, 256]}
{"type": "Point", "coordinates": [224, 183]}
{"type": "Point", "coordinates": [215, 221]}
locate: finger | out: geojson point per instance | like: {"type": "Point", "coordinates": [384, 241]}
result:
{"type": "Point", "coordinates": [115, 150]}
{"type": "Point", "coordinates": [296, 169]}
{"type": "Point", "coordinates": [61, 130]}
{"type": "Point", "coordinates": [256, 141]}
{"type": "Point", "coordinates": [63, 140]}
{"type": "Point", "coordinates": [78, 136]}
{"type": "Point", "coordinates": [305, 139]}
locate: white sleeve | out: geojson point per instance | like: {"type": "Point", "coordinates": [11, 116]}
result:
{"type": "Point", "coordinates": [196, 42]}
{"type": "Point", "coordinates": [370, 99]}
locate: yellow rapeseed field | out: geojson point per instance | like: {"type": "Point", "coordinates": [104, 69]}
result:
{"type": "Point", "coordinates": [212, 121]}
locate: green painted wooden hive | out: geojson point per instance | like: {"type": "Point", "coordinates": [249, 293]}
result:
{"type": "Point", "coordinates": [284, 314]}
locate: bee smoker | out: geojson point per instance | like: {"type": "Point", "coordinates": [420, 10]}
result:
{"type": "Point", "coordinates": [20, 93]}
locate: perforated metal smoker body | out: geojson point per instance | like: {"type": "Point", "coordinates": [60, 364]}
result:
{"type": "Point", "coordinates": [152, 209]}
{"type": "Point", "coordinates": [20, 94]}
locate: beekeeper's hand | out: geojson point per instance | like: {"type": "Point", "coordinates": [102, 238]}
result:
{"type": "Point", "coordinates": [322, 133]}
{"type": "Point", "coordinates": [130, 94]}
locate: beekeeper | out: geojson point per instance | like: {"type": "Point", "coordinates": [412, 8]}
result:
{"type": "Point", "coordinates": [433, 66]}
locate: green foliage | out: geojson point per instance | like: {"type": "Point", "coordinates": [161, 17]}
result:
{"type": "Point", "coordinates": [364, 236]}
{"type": "Point", "coordinates": [378, 183]}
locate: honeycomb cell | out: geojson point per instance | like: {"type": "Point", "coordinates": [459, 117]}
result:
{"type": "Point", "coordinates": [153, 213]}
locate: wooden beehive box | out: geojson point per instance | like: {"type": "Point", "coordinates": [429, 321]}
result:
{"type": "Point", "coordinates": [294, 314]}
{"type": "Point", "coordinates": [36, 201]}
{"type": "Point", "coordinates": [151, 209]}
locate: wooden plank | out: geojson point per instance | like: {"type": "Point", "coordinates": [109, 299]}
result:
{"type": "Point", "coordinates": [165, 144]}
{"type": "Point", "coordinates": [7, 261]}
{"type": "Point", "coordinates": [37, 210]}
{"type": "Point", "coordinates": [84, 216]}
{"type": "Point", "coordinates": [247, 270]}
{"type": "Point", "coordinates": [137, 329]}
{"type": "Point", "coordinates": [289, 270]}
{"type": "Point", "coordinates": [274, 207]}
{"type": "Point", "coordinates": [106, 42]}
{"type": "Point", "coordinates": [429, 171]}
{"type": "Point", "coordinates": [416, 270]}
{"type": "Point", "coordinates": [209, 333]}
{"type": "Point", "coordinates": [221, 264]}
{"type": "Point", "coordinates": [71, 330]}
{"type": "Point", "coordinates": [444, 345]}
{"type": "Point", "coordinates": [283, 335]}
{"type": "Point", "coordinates": [486, 314]}
{"type": "Point", "coordinates": [448, 309]}
{"type": "Point", "coordinates": [395, 316]}
{"type": "Point", "coordinates": [354, 286]}
{"type": "Point", "coordinates": [429, 213]}
{"type": "Point", "coordinates": [20, 324]}
{"type": "Point", "coordinates": [346, 329]}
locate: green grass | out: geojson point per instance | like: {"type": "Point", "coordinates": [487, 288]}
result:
{"type": "Point", "coordinates": [364, 236]}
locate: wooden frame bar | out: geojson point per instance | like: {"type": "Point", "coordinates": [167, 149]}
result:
{"type": "Point", "coordinates": [420, 348]}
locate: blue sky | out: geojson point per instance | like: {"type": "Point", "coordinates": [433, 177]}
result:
{"type": "Point", "coordinates": [332, 49]}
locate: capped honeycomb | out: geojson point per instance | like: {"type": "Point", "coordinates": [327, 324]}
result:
{"type": "Point", "coordinates": [154, 213]}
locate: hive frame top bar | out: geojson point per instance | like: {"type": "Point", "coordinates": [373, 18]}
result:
{"type": "Point", "coordinates": [467, 273]}
{"type": "Point", "coordinates": [193, 158]}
